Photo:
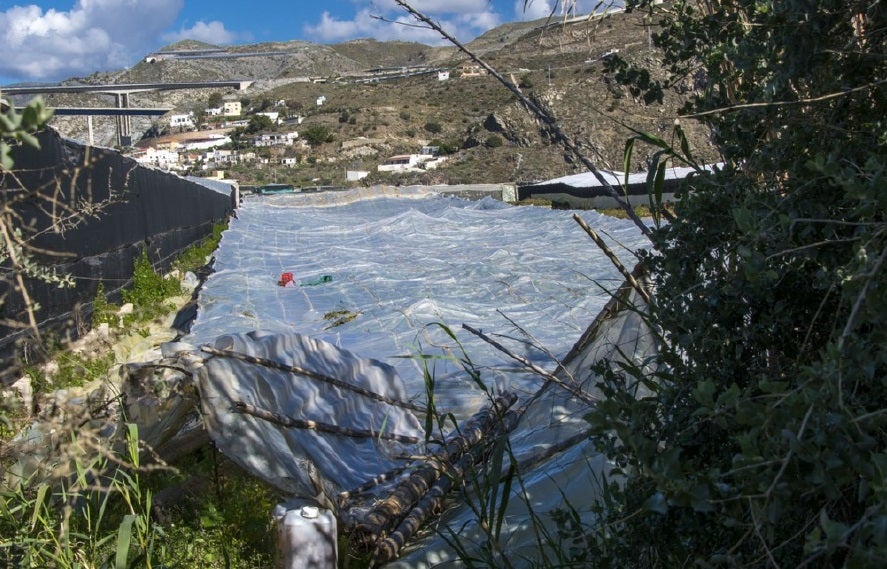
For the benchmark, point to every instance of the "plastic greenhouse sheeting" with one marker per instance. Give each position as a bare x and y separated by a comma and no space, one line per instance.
394,274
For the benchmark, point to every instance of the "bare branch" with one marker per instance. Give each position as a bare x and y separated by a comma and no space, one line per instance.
774,104
547,120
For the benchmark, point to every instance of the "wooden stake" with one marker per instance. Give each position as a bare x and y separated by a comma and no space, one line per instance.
613,258
293,423
385,514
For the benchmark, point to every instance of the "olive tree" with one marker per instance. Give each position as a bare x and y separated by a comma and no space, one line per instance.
17,255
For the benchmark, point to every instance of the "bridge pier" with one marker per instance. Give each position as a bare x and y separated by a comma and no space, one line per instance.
124,122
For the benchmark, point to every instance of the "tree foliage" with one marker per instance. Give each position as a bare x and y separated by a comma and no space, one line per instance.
762,440
19,128
17,255
315,135
215,100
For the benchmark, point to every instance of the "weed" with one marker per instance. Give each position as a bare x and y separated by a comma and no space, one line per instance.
96,517
195,257
103,312
149,291
77,370
222,521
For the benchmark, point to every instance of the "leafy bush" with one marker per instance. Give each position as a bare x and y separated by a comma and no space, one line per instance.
433,127
195,257
317,134
494,141
762,440
103,312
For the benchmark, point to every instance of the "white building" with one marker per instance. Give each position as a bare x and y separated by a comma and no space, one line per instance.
399,163
472,70
443,75
246,157
355,175
218,156
321,100
231,108
273,116
166,159
426,160
211,141
181,121
275,139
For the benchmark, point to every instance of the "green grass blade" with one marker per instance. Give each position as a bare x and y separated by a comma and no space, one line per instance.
124,540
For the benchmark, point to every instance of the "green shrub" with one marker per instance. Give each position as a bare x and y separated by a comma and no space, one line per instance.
761,439
494,141
150,291
226,524
317,134
102,310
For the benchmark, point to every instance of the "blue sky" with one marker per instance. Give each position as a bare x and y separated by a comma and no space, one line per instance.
51,40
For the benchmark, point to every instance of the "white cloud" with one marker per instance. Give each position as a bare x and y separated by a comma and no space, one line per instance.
535,9
465,19
209,32
93,35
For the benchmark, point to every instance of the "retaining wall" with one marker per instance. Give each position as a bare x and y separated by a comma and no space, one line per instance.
91,212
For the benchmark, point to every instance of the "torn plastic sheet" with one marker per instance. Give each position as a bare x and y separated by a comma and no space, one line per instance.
238,370
410,268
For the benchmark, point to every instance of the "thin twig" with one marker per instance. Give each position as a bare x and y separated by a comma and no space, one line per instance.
811,101
757,528
851,321
573,390
264,362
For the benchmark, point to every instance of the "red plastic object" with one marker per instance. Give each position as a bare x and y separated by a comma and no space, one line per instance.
285,278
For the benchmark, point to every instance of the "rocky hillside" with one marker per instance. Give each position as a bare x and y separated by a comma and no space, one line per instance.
558,64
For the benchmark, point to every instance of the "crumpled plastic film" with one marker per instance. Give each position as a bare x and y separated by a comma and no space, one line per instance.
407,268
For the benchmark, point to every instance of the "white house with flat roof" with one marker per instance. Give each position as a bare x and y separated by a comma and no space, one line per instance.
181,121
411,162
165,159
275,139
